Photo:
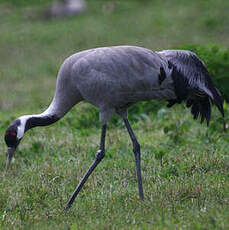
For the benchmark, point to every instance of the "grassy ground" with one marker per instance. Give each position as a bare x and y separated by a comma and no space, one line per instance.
185,165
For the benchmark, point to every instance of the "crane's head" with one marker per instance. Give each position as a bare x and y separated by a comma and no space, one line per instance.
13,136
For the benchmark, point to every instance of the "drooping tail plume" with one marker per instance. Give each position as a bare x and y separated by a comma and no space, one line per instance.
193,84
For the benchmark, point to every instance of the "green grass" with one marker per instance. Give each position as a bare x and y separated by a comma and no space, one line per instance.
185,165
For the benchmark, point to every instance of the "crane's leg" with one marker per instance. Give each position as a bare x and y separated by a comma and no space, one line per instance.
98,157
137,154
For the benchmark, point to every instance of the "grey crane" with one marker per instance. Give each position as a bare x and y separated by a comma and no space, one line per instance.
114,78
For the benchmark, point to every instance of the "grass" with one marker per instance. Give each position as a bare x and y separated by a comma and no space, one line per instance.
185,164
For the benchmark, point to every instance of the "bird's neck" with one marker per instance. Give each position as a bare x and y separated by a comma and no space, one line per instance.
56,110
40,120
30,121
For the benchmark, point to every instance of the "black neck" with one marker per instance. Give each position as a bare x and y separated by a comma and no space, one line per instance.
40,121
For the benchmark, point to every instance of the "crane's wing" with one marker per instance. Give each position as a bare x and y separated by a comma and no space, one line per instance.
193,84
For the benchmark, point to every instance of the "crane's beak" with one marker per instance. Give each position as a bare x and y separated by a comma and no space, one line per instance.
11,151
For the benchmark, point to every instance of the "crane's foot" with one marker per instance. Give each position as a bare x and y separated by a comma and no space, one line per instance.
98,157
67,207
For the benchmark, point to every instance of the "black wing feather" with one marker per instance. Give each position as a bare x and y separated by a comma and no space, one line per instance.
193,84
195,110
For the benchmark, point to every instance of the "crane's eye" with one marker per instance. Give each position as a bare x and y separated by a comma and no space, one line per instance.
11,133
11,138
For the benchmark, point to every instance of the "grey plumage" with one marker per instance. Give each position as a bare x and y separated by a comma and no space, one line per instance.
114,78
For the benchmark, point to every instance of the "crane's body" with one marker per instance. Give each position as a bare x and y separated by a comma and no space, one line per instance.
114,78
111,78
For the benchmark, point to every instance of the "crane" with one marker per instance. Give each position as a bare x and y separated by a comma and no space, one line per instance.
113,79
